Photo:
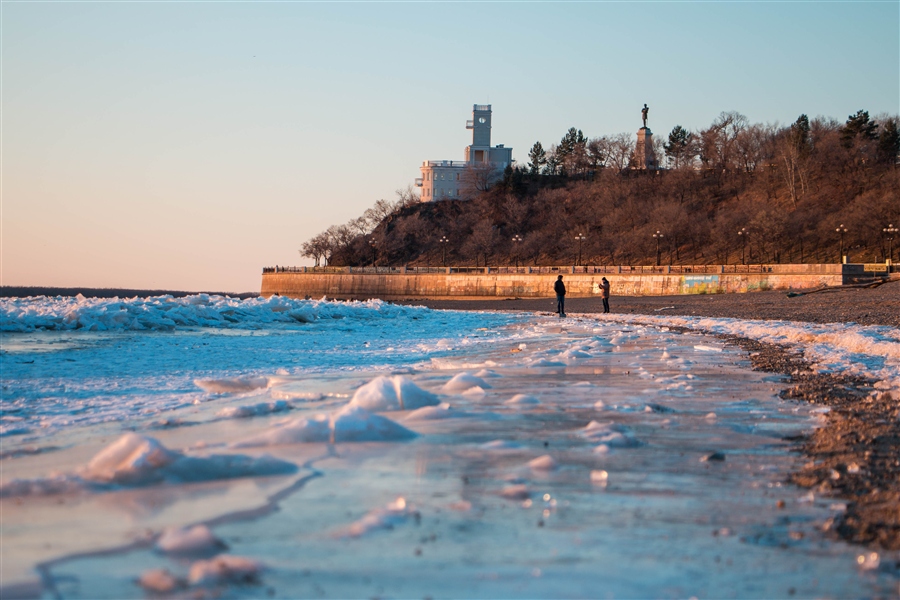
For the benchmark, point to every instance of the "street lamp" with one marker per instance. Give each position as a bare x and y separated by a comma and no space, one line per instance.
372,243
841,231
890,231
744,235
443,242
517,239
658,236
580,237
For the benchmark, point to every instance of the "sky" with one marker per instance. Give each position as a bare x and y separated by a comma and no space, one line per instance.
186,145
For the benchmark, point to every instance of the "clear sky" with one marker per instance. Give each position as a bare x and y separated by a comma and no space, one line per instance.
185,145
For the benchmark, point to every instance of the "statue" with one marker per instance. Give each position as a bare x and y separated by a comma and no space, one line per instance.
644,112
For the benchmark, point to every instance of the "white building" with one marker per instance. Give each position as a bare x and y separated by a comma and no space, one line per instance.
445,179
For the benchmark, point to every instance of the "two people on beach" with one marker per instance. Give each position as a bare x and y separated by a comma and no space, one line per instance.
560,288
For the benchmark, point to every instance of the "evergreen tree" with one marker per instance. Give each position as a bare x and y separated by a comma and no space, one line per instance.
678,146
574,137
800,139
537,158
889,142
858,126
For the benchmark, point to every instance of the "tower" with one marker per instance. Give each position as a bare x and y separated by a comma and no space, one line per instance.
480,124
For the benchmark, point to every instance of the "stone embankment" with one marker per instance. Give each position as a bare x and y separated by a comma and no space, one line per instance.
536,282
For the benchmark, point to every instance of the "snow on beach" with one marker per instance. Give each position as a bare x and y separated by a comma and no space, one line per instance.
293,449
869,351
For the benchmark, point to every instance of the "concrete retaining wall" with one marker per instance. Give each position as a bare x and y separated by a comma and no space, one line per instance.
396,286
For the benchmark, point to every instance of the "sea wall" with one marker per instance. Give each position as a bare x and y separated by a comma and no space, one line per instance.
508,282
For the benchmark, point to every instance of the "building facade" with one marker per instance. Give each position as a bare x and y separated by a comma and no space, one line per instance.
448,179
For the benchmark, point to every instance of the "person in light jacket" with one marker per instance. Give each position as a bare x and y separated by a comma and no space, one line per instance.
560,288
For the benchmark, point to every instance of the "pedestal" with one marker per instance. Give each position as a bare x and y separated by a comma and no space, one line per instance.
643,151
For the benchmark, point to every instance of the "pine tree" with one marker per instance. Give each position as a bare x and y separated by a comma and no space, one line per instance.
800,139
678,145
858,126
537,158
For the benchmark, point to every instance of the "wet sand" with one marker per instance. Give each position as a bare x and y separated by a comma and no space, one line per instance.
853,458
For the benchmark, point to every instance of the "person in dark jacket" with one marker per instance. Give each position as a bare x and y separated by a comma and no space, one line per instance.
604,289
560,288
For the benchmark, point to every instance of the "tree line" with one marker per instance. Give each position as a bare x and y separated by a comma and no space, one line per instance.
731,192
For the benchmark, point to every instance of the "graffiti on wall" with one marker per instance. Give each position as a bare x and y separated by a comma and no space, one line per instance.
700,284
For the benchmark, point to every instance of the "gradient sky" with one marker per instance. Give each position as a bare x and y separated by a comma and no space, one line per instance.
186,145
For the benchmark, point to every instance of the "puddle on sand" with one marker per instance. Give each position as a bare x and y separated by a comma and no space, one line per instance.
675,490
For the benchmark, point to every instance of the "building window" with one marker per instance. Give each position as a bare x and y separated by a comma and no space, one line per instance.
457,176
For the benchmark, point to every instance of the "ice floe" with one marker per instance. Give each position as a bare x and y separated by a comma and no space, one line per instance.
350,424
392,393
233,385
432,413
395,513
543,463
464,381
168,313
253,410
522,399
184,541
225,569
136,460
612,435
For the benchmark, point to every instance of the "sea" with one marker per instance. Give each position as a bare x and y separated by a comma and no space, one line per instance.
209,446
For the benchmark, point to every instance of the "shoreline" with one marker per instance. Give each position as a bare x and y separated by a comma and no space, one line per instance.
852,458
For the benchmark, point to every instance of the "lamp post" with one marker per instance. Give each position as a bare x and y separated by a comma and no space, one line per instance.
443,242
658,236
517,239
744,234
580,238
890,231
841,230
372,243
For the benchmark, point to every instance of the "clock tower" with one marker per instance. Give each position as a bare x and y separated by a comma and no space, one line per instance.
480,125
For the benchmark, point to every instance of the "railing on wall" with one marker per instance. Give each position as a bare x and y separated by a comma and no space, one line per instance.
782,269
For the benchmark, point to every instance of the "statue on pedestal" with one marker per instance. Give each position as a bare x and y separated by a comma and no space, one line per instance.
644,112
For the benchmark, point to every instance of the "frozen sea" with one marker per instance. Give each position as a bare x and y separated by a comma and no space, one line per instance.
215,447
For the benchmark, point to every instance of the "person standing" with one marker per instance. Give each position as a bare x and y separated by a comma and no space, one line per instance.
604,289
560,288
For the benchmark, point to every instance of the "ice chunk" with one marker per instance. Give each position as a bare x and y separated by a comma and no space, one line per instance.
355,424
543,463
518,491
137,460
431,413
253,410
543,362
474,391
296,431
132,458
613,435
522,399
392,393
350,424
225,569
462,382
189,541
160,581
500,445
705,348
395,513
234,385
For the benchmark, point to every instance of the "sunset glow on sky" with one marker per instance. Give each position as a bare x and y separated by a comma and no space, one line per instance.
187,145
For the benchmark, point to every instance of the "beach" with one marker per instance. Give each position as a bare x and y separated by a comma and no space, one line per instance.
863,430
206,446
